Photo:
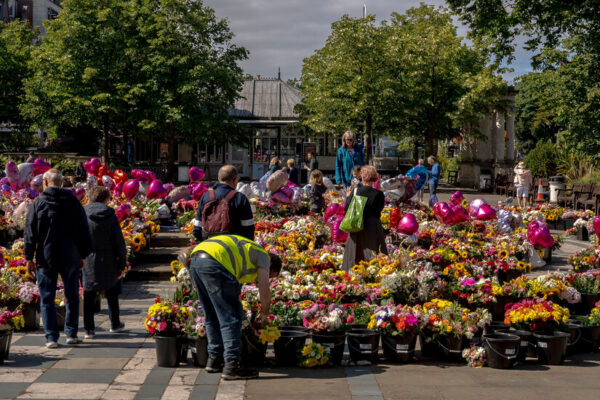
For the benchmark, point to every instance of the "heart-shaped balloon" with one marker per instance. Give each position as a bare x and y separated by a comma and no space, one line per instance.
123,211
443,212
12,173
457,198
486,213
6,190
119,176
280,197
168,187
597,226
539,235
198,190
196,174
79,193
88,166
26,174
333,209
40,166
118,190
474,206
36,182
460,214
157,190
94,166
408,225
103,170
91,181
131,188
108,182
140,175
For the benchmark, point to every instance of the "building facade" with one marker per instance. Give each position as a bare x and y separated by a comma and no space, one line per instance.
33,11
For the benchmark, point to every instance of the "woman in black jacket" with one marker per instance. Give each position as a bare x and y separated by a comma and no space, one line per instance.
366,244
106,263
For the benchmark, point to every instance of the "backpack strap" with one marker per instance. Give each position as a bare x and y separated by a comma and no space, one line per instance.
211,194
230,195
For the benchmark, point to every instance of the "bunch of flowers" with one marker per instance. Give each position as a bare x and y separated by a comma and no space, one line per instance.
546,285
10,320
594,317
473,291
536,314
516,288
321,318
29,293
444,317
165,317
586,259
584,282
269,334
313,355
286,314
476,356
193,320
396,319
576,214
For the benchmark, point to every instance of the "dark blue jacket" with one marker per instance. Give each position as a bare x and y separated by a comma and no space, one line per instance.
294,176
109,252
241,213
56,231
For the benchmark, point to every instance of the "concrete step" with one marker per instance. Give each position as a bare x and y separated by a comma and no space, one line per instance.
163,255
150,272
170,239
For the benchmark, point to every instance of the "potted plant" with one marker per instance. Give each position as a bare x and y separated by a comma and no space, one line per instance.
328,323
590,330
399,326
29,296
194,327
9,321
164,322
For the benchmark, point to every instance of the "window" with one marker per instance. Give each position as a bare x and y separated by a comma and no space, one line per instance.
52,13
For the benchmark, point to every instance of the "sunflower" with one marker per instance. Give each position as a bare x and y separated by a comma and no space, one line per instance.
503,254
521,265
359,270
22,271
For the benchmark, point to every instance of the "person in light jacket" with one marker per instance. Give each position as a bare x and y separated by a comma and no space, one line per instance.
105,265
349,155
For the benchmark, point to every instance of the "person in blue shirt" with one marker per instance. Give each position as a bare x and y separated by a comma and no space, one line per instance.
434,179
349,155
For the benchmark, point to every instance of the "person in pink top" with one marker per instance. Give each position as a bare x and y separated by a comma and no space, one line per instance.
523,181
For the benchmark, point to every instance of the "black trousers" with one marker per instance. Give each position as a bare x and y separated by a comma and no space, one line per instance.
89,299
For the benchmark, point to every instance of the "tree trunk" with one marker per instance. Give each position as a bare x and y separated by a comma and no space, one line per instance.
171,155
104,145
416,151
368,133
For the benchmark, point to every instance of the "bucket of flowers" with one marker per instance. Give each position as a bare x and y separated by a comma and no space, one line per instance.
29,296
194,327
164,322
588,285
9,321
547,321
399,326
328,323
590,330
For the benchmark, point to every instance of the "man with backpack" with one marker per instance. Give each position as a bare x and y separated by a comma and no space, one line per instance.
223,210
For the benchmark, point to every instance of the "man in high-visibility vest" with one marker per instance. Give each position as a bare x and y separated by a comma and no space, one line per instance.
218,267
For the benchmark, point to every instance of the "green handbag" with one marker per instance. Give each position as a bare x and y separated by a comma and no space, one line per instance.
353,220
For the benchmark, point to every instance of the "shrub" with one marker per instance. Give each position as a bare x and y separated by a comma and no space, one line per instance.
543,160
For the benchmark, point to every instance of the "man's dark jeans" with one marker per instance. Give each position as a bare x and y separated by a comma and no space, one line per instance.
219,293
89,300
433,183
47,285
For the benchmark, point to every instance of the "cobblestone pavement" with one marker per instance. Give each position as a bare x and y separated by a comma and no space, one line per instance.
123,366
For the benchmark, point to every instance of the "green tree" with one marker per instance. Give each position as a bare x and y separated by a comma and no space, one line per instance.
543,160
16,44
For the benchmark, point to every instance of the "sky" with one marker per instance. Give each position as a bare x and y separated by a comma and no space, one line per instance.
281,33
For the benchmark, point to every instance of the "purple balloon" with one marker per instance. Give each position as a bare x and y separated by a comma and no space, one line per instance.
408,224
474,206
168,187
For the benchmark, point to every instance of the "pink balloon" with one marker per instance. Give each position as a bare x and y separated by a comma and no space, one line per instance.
123,211
474,206
597,226
131,188
118,190
40,166
198,190
12,173
108,182
92,166
196,174
337,235
79,193
443,213
486,213
460,214
331,210
408,224
287,191
539,235
457,198
140,175
157,190
168,187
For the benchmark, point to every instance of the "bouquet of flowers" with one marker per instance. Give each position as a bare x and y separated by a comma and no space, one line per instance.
165,317
585,259
536,314
476,356
321,317
10,320
443,317
594,317
396,320
585,282
193,321
313,355
29,293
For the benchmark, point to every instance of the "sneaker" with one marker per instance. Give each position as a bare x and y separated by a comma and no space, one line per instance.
214,364
90,334
233,370
118,328
73,340
51,345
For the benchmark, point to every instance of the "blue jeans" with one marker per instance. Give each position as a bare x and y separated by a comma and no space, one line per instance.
47,284
219,293
433,192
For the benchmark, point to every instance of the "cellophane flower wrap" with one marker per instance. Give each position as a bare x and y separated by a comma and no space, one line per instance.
536,314
396,320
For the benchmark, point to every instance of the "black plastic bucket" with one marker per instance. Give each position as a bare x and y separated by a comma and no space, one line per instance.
293,328
168,350
5,339
590,338
253,351
399,348
574,337
334,342
288,346
363,344
31,316
428,345
526,347
496,326
502,349
588,300
551,347
451,347
198,346
498,306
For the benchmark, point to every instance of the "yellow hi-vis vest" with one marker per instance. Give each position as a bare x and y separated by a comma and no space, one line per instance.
234,253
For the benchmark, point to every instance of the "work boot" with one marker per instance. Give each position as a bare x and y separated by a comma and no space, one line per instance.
214,364
234,370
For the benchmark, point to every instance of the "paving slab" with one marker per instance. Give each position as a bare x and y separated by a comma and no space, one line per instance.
62,391
91,363
204,392
19,375
12,389
150,392
55,375
121,392
102,352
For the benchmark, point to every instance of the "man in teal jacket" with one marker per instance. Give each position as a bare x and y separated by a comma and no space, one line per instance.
349,155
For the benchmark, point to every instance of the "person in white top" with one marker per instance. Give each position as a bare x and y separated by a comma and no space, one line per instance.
523,181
